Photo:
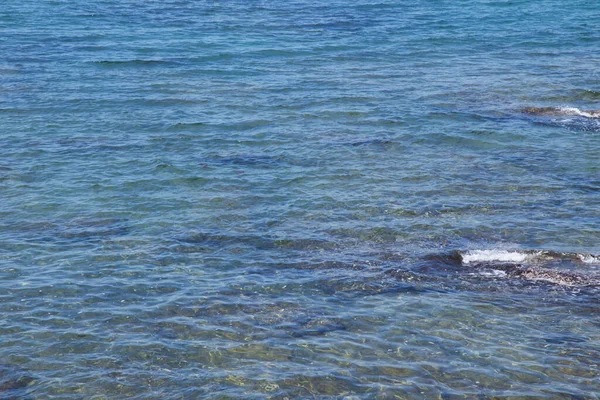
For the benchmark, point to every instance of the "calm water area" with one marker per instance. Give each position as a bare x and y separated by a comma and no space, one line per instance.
362,199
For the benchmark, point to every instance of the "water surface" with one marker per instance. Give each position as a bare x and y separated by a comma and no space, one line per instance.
260,199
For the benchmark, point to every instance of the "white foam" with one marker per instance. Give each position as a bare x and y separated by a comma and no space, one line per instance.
479,256
588,258
577,112
521,257
495,273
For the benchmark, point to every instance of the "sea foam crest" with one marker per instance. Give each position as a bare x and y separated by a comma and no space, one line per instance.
574,111
481,256
564,111
588,258
498,256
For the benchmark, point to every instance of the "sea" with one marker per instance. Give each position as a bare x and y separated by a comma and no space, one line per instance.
261,199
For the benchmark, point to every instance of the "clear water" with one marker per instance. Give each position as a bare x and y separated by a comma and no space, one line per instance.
262,199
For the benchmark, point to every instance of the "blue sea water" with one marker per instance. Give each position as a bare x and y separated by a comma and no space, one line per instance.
367,199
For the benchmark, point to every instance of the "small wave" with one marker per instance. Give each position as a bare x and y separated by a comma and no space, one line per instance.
574,111
532,266
503,256
236,126
562,112
588,259
495,256
131,63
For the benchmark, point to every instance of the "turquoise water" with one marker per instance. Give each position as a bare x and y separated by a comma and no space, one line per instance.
271,200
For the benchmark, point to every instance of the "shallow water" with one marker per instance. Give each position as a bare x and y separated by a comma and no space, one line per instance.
303,200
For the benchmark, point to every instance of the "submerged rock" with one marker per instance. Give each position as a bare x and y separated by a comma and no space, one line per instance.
548,275
14,382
